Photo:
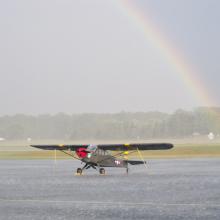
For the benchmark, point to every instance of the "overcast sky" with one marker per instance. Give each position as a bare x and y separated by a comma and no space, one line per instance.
78,56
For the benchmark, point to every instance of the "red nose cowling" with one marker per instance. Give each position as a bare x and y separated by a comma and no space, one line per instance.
81,152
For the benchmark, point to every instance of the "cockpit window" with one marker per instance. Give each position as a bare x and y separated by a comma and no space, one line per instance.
92,148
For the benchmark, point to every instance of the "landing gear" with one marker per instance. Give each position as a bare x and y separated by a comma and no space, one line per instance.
79,171
102,171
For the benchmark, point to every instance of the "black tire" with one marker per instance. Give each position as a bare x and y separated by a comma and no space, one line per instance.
102,171
79,171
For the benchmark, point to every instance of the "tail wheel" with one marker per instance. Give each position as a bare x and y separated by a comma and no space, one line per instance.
79,171
102,171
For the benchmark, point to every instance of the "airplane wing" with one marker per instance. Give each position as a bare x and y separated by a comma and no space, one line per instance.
111,147
60,147
129,147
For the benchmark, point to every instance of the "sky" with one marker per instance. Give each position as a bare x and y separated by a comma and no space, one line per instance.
90,56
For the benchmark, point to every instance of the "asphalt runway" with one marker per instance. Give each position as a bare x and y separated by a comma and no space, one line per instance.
168,189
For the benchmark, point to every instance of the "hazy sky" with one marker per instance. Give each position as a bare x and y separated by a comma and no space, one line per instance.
78,56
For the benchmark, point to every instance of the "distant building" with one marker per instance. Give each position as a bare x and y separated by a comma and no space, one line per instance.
211,136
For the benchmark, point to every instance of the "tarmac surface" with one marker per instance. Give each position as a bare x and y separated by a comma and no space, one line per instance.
168,189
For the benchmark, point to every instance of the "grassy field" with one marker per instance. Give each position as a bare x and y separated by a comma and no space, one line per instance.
182,149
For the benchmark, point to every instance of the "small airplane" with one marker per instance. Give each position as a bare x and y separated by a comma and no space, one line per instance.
98,156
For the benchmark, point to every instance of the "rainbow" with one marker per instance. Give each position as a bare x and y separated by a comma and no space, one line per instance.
183,69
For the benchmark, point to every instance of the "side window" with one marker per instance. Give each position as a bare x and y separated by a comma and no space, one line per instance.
98,151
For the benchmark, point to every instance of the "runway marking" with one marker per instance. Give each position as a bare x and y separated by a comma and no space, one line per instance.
112,203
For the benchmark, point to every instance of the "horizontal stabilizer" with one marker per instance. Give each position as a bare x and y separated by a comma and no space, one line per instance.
135,162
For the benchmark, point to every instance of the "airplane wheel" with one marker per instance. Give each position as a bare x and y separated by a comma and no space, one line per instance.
102,171
79,171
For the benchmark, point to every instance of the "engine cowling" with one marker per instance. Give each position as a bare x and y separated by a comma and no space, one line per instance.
81,152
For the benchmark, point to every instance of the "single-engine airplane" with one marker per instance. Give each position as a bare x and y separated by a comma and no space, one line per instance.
98,156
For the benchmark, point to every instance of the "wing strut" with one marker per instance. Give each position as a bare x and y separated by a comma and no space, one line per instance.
140,155
55,156
69,154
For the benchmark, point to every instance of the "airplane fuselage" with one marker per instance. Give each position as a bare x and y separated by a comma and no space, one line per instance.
104,160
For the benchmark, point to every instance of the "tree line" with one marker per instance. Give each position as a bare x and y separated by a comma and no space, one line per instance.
123,125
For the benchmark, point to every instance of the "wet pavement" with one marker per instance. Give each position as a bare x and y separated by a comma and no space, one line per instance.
168,189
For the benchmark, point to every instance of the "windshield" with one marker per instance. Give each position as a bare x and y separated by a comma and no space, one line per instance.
91,148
